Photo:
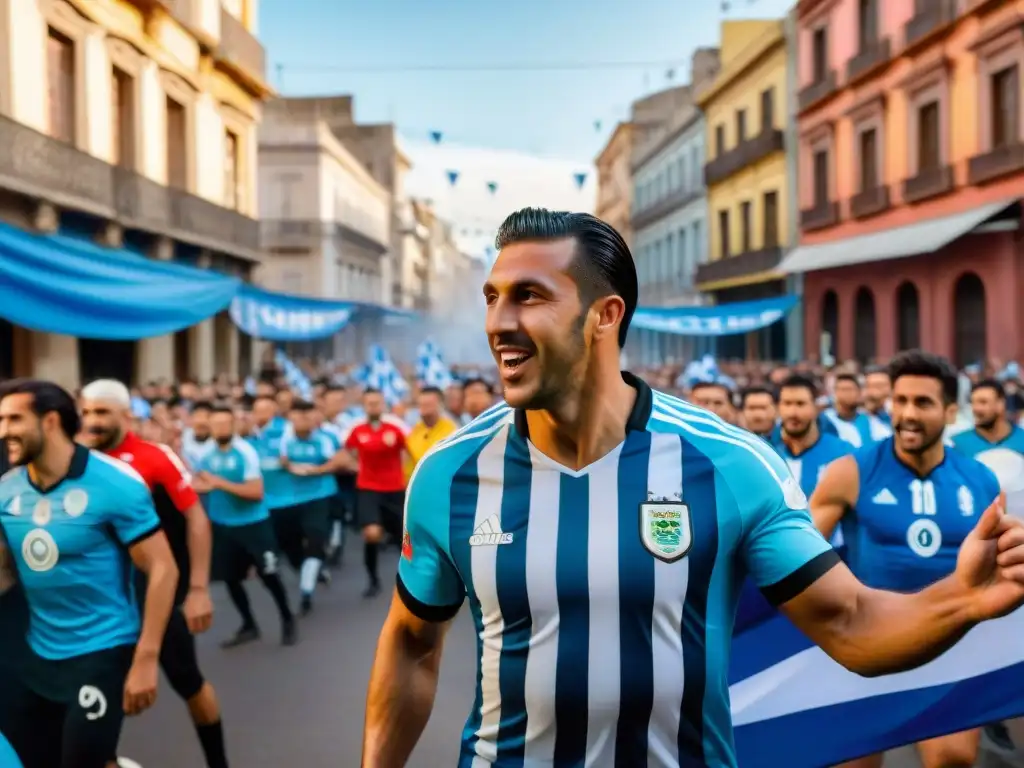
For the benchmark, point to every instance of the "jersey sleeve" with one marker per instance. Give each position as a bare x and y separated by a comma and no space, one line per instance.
328,447
348,440
250,462
286,441
783,551
175,479
428,582
132,514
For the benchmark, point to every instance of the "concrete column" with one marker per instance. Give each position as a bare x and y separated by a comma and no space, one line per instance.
154,357
230,355
202,341
795,320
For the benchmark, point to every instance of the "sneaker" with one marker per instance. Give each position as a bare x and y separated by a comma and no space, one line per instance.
372,591
289,633
241,637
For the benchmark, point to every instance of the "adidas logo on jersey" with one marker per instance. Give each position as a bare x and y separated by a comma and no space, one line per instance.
884,496
489,533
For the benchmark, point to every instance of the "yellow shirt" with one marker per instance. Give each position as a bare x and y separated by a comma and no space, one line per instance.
422,438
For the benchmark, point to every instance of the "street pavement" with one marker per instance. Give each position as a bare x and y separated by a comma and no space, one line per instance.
303,706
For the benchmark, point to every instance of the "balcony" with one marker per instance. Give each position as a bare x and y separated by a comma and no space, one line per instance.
928,184
996,164
743,154
676,199
240,50
308,234
815,92
823,214
870,202
933,16
38,166
873,55
740,265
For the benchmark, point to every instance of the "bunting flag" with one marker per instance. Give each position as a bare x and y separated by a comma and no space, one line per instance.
492,186
436,136
453,177
430,368
294,376
597,126
581,179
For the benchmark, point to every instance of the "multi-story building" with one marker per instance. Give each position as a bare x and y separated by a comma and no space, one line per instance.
134,124
326,222
912,170
669,212
615,182
746,117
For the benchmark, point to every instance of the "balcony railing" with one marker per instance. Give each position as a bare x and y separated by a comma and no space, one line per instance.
239,48
995,164
36,165
743,154
933,16
815,92
740,265
676,199
873,54
927,184
823,214
870,202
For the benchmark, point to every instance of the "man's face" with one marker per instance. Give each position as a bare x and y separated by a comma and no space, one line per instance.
200,423
263,411
478,399
919,413
334,403
877,390
284,400
21,428
453,398
429,405
222,427
373,405
759,413
988,408
302,421
797,410
265,389
847,394
714,399
188,391
102,425
243,422
538,330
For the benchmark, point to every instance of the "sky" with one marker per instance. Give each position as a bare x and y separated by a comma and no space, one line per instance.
525,92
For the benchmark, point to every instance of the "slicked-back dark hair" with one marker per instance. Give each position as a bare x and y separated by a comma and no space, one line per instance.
603,265
915,362
994,384
797,381
47,397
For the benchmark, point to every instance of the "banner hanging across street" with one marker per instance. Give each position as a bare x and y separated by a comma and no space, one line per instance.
721,320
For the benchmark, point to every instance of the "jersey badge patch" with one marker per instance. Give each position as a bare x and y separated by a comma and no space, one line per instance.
666,530
406,545
75,502
39,550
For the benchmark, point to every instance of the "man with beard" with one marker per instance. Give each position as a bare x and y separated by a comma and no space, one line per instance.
877,391
77,521
906,505
195,440
106,411
851,423
597,526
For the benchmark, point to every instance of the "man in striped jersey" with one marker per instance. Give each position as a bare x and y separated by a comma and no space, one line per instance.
602,531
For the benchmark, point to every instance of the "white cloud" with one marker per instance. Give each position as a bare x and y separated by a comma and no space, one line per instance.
522,180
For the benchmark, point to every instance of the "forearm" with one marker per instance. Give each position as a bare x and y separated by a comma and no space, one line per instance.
889,632
199,540
403,683
161,582
244,490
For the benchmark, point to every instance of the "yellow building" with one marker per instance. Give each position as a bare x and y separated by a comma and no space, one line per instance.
746,173
139,119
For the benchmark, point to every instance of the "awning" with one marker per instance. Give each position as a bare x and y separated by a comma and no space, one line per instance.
286,317
721,320
897,243
64,285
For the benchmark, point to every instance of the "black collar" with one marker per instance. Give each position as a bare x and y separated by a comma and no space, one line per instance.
638,417
79,461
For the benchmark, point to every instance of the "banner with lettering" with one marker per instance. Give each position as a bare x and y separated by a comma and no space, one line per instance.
284,317
720,320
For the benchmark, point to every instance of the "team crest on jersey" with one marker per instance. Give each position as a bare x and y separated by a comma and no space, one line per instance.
39,550
666,530
388,438
75,502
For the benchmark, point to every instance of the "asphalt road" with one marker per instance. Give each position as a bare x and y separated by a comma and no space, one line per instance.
303,706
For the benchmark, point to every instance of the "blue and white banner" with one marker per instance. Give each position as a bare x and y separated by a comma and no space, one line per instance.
722,320
294,376
382,374
282,317
794,706
430,368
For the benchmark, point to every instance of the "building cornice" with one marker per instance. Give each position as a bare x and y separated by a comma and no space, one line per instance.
772,39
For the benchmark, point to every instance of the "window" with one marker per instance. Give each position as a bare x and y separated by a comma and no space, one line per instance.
771,219
684,182
695,166
61,85
671,177
723,232
745,227
868,159
1005,107
767,110
231,196
684,258
719,140
821,178
819,54
177,160
867,23
122,119
929,153
670,259
741,125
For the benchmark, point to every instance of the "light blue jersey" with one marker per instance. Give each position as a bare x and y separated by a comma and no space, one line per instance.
276,480
863,429
810,465
904,531
1005,458
237,462
334,433
192,450
70,547
604,598
315,450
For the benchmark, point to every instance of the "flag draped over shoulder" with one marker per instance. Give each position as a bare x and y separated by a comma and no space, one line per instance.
793,706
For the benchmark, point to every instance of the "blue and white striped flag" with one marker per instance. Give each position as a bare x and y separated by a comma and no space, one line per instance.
293,376
382,374
430,368
794,706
